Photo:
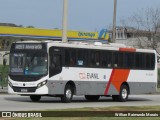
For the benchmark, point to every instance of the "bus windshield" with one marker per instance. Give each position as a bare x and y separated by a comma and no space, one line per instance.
29,63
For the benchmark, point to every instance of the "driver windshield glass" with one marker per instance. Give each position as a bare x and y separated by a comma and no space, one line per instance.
28,63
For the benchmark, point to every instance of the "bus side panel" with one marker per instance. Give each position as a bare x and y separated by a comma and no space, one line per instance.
56,87
142,87
142,81
93,88
97,81
98,88
112,90
82,87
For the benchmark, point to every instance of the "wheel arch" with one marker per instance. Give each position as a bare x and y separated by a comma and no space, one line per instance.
73,86
125,83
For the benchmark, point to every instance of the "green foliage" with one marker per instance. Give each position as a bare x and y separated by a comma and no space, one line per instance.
4,73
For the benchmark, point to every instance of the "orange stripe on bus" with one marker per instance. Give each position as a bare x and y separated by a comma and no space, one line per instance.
127,49
118,76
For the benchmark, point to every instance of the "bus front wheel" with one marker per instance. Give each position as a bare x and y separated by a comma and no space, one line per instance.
35,98
68,94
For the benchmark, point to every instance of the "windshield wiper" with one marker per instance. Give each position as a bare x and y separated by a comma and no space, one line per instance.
32,59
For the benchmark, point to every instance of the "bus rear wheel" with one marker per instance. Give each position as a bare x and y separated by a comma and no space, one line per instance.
123,96
68,94
124,91
92,97
35,98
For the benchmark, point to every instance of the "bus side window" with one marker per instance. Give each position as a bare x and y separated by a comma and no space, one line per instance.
115,59
129,60
55,65
56,61
72,62
106,59
139,61
70,57
150,61
109,59
95,58
81,55
120,60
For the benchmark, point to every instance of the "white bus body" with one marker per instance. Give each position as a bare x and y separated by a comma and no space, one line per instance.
66,69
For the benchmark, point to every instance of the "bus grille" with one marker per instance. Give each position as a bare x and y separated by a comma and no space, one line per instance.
24,89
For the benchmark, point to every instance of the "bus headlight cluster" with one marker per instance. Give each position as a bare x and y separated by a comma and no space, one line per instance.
41,84
10,84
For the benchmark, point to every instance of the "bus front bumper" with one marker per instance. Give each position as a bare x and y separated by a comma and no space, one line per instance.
28,90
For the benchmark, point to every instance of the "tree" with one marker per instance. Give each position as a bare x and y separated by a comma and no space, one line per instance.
147,28
30,26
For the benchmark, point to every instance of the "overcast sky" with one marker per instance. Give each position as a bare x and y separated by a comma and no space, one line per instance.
85,15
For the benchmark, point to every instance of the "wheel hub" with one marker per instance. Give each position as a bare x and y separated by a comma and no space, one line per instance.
124,93
68,93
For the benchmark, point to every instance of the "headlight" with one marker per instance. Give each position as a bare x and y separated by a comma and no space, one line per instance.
42,84
10,84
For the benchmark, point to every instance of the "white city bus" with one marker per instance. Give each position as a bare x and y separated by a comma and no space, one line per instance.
62,70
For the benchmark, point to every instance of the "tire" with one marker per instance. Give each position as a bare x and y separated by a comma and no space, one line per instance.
92,97
35,98
124,92
68,94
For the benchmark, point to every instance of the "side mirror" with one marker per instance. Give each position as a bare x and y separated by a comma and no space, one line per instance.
4,62
4,59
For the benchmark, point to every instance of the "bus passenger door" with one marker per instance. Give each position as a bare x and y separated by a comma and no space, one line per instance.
55,64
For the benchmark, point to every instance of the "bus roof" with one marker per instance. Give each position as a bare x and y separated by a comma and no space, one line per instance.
91,45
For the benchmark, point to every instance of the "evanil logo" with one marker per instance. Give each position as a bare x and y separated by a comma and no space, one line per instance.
86,34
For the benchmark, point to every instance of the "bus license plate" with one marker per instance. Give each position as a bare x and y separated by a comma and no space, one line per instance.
24,90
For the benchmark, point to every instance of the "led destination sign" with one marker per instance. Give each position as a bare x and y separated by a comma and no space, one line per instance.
28,46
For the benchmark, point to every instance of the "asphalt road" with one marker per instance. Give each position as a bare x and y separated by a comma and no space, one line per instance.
23,103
